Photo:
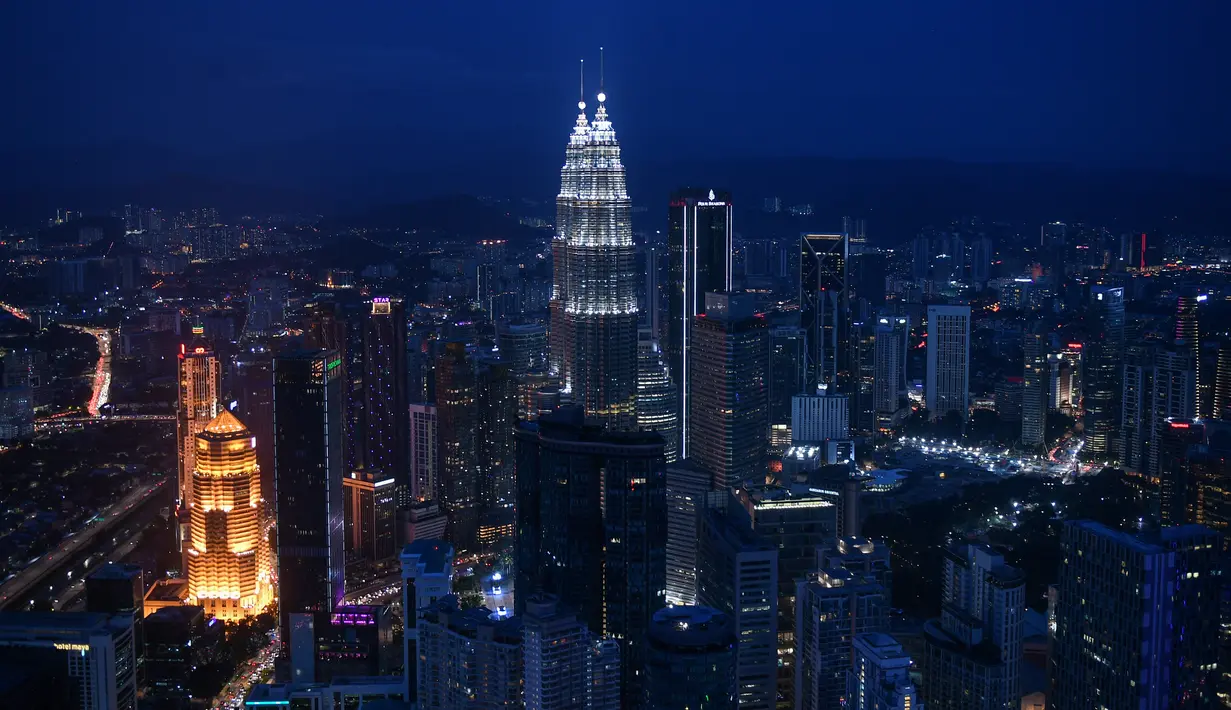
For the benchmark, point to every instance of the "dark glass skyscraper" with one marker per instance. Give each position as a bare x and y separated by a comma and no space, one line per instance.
1102,377
591,521
386,407
824,309
308,470
457,428
699,244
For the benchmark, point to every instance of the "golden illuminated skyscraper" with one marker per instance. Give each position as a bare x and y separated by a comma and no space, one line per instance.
227,574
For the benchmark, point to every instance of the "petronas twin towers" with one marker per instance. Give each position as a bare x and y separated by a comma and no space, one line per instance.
594,299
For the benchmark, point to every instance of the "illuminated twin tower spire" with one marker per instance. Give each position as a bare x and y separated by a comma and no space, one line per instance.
594,297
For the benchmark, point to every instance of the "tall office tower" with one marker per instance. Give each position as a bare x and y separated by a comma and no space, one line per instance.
591,516
889,376
920,257
253,388
787,356
424,452
223,571
386,407
737,574
371,504
880,676
981,252
200,380
1136,401
656,395
495,405
687,485
326,328
468,658
603,675
817,418
690,662
863,376
427,576
727,425
834,607
825,309
1177,489
308,457
116,588
796,523
867,282
1187,334
557,649
948,375
651,293
457,429
1034,389
699,247
595,316
75,661
1222,382
266,304
1173,396
1102,372
523,347
1130,631
974,650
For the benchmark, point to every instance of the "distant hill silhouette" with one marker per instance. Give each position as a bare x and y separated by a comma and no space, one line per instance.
453,216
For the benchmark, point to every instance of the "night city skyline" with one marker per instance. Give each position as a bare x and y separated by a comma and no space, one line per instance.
630,356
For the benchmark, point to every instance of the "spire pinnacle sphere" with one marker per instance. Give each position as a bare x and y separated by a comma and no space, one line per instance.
602,97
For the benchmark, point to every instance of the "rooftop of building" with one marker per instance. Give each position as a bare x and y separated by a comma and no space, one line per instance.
700,628
467,622
1128,540
436,556
57,621
882,646
117,571
185,614
167,590
226,424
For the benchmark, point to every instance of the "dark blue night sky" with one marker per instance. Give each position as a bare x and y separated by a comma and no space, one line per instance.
382,85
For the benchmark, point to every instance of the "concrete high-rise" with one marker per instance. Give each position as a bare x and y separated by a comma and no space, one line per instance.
1172,396
226,574
557,649
591,522
974,650
737,574
880,676
371,504
690,661
1136,623
469,658
594,305
427,576
308,470
75,661
385,380
785,379
948,362
889,378
825,309
727,427
1034,389
687,486
424,452
699,246
1101,376
834,607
